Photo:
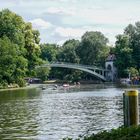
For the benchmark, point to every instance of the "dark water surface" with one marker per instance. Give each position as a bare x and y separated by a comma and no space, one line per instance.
54,114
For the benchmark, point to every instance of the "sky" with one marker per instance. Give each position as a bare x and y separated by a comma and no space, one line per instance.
60,20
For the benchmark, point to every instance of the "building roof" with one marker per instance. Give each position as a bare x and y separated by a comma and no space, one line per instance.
111,57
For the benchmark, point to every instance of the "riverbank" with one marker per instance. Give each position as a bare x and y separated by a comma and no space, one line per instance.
70,82
18,88
52,82
122,133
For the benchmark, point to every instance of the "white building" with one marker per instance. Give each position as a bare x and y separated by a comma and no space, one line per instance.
111,75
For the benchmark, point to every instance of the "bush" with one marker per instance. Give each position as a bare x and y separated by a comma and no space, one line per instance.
122,133
3,85
21,82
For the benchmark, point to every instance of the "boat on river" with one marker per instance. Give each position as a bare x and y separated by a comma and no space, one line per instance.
66,85
43,88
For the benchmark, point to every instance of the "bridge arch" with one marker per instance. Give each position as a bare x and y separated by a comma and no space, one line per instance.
95,71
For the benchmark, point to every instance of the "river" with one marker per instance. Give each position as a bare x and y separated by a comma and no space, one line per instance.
54,114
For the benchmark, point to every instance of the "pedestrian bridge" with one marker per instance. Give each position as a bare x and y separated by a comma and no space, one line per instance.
99,73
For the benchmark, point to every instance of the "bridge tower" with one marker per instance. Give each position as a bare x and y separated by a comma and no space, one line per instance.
111,75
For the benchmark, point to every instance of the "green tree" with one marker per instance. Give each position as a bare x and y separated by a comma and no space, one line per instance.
20,43
12,26
68,53
42,73
123,55
133,72
133,31
12,65
93,48
49,52
128,50
32,48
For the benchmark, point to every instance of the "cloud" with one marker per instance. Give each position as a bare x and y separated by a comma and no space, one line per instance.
76,33
69,32
60,11
59,20
40,23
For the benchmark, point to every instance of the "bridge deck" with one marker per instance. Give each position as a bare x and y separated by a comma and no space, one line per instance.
93,70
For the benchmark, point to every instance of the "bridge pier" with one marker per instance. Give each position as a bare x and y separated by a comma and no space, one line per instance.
104,73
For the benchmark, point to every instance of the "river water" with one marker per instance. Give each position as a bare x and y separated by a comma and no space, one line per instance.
54,114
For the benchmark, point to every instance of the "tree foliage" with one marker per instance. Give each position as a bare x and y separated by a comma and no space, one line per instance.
32,47
123,55
121,133
19,47
128,50
93,48
12,65
133,31
49,52
67,52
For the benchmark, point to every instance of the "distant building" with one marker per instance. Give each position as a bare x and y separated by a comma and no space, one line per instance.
111,75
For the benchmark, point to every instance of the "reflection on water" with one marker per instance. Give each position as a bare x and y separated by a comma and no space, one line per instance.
54,114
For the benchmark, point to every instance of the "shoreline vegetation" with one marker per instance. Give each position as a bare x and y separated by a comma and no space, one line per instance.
121,133
19,88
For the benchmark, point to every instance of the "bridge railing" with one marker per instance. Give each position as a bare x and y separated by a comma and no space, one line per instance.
98,72
79,65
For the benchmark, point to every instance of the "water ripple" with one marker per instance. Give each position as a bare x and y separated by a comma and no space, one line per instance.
34,114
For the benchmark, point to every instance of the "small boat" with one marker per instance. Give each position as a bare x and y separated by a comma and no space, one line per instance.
66,85
56,86
43,88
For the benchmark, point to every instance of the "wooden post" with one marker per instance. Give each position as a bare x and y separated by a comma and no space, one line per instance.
131,109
